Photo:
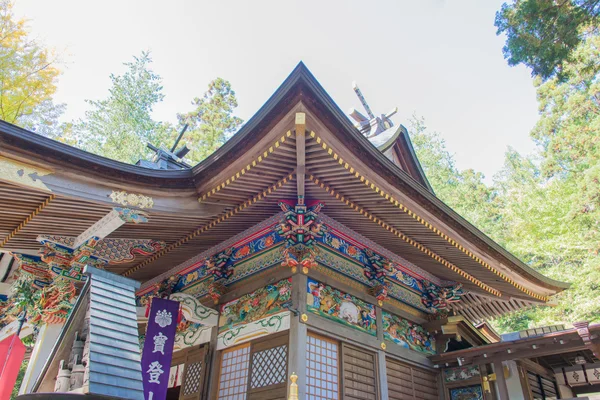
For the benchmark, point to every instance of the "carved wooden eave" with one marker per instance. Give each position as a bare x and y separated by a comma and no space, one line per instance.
458,328
582,337
384,197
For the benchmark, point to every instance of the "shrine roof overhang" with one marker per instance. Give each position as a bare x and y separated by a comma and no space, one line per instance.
240,184
582,337
396,142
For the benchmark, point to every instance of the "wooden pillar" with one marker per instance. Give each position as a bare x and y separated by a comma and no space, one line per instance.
501,381
212,375
298,333
47,337
381,367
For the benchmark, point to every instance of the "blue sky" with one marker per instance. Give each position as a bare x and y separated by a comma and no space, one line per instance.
439,59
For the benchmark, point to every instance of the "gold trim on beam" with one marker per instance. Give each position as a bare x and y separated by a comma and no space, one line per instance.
247,168
402,236
26,221
211,224
418,218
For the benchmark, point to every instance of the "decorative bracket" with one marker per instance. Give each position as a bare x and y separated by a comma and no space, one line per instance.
376,270
300,229
440,298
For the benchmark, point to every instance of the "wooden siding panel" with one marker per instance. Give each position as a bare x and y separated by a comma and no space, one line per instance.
407,382
360,373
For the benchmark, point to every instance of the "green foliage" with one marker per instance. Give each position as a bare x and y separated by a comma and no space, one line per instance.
464,191
27,74
119,126
542,34
545,208
211,122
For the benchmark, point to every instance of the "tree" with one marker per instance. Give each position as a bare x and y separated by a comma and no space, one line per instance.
28,73
464,191
533,214
542,34
119,126
211,122
568,133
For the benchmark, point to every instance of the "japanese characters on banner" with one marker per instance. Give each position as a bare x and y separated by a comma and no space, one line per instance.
158,348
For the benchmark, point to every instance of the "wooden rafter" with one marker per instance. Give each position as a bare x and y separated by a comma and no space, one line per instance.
224,216
402,236
252,164
27,220
388,197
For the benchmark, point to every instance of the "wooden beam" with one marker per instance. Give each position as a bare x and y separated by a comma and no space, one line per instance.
519,352
300,154
501,381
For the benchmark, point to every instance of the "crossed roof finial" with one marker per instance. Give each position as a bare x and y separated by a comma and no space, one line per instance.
371,126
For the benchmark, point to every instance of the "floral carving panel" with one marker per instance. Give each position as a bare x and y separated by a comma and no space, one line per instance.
467,393
407,334
270,300
341,307
461,373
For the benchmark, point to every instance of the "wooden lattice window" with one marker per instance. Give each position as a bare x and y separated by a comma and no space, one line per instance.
269,367
192,385
256,370
542,388
322,368
233,378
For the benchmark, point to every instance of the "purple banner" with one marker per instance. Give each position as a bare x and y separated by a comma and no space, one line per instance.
158,347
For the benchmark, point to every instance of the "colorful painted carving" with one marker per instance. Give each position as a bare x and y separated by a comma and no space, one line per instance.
111,251
49,305
53,303
407,334
69,263
341,307
300,229
219,266
129,215
374,264
267,301
461,373
34,268
467,393
216,290
380,292
439,298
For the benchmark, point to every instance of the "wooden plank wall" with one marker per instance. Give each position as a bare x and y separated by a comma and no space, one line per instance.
360,379
406,382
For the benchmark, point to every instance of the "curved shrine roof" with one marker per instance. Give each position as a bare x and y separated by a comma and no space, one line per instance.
376,188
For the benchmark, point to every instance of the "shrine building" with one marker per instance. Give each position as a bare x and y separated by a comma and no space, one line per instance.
309,257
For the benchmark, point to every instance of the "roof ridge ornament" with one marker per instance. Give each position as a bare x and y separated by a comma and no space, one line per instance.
371,126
